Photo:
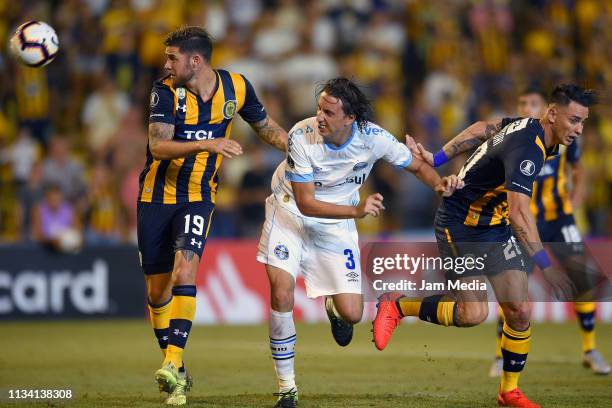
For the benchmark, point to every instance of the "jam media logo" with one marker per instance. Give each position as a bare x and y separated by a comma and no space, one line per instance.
527,167
281,252
360,165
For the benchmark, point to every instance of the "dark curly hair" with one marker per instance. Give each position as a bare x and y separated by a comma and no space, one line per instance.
354,101
191,39
565,93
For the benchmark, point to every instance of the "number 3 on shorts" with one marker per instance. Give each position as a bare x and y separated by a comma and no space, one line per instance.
350,260
198,224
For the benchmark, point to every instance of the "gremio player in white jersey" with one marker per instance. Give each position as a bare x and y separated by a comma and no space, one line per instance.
310,215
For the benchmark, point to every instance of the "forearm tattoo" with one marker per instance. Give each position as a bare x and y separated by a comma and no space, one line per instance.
159,132
271,133
491,130
471,140
523,237
455,148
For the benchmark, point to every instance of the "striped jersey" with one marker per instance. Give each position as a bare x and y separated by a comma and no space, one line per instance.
550,199
509,161
194,178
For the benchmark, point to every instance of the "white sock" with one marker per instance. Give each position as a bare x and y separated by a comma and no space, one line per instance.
282,345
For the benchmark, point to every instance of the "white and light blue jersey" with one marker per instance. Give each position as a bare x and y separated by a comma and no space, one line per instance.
337,171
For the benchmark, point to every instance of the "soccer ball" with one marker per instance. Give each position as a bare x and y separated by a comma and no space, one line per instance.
34,43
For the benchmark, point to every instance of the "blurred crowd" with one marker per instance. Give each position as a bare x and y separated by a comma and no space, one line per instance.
73,135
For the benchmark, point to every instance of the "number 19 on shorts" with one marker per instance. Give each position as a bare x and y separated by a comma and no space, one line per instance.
198,224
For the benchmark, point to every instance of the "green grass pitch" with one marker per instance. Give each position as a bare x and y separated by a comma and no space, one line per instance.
111,364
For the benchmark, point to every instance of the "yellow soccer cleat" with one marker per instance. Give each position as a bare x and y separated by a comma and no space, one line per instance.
167,377
179,395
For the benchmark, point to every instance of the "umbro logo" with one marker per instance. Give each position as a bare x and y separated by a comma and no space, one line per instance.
352,276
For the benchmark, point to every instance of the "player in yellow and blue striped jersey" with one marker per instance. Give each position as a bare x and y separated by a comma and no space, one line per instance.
483,219
190,122
552,204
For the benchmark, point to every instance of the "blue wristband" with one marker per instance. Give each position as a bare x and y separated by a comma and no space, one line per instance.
541,259
440,158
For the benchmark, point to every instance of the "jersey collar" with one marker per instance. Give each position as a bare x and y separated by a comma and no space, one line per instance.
343,145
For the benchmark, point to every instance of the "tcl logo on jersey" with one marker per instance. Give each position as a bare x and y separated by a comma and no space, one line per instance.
33,292
199,134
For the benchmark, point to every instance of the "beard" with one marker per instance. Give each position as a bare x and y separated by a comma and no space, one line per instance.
179,81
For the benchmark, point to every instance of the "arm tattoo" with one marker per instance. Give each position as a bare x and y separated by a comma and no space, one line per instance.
187,254
522,237
271,133
458,147
473,139
160,131
491,130
521,234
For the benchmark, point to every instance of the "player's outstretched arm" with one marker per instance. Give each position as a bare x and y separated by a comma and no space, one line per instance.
270,132
526,231
468,139
308,205
162,146
445,186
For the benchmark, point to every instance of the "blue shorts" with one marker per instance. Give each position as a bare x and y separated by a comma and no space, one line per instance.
561,236
164,229
496,246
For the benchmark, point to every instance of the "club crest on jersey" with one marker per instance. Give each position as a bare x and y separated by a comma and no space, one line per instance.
281,252
360,165
527,167
229,109
180,92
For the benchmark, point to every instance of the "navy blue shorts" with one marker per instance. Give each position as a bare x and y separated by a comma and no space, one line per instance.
562,235
164,229
496,247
